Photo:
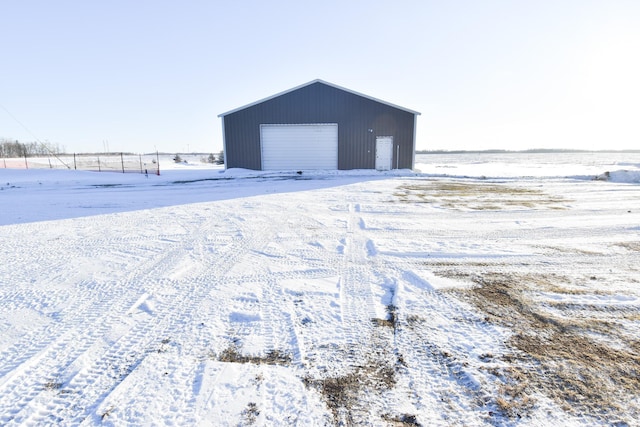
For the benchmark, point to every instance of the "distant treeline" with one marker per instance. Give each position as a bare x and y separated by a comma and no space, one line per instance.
10,148
532,151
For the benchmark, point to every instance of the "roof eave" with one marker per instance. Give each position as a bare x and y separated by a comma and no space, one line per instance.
313,82
268,98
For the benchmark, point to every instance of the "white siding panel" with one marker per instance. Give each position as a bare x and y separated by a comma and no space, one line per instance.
299,147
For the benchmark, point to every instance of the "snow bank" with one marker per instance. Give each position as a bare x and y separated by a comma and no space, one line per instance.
620,176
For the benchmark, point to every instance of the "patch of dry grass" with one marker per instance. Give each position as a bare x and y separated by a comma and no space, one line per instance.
375,374
556,356
52,385
404,420
343,393
476,195
233,355
569,250
55,386
250,414
391,321
630,246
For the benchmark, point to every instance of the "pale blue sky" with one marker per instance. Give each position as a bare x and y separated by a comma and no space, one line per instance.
141,75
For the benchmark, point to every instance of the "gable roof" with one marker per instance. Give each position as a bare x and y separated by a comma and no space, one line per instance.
324,83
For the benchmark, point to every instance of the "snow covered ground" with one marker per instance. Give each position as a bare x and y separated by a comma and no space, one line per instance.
482,291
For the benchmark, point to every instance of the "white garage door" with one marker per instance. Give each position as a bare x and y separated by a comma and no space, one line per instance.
299,147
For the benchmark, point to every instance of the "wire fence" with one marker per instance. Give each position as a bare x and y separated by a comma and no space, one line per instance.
123,163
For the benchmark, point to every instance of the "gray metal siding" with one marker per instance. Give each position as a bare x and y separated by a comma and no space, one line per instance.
320,103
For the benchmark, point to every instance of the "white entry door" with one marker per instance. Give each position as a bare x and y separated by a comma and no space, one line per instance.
384,152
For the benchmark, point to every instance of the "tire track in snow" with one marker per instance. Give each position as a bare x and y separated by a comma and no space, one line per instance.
432,337
443,345
181,310
106,371
280,331
73,340
36,362
89,299
356,297
169,318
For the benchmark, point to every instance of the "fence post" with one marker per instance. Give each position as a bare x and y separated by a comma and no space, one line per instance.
99,164
122,161
158,162
26,165
75,167
140,157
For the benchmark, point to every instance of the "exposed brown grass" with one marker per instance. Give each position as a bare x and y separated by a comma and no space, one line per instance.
55,386
568,250
476,195
391,321
404,420
342,393
556,356
250,414
233,355
52,385
630,246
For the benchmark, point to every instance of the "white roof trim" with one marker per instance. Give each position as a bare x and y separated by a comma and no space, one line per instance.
325,83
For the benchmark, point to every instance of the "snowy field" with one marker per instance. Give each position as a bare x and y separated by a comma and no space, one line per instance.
486,290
